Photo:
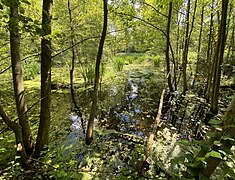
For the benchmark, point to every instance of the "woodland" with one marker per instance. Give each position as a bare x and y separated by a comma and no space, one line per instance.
117,89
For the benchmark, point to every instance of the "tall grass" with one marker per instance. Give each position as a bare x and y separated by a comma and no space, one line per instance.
118,63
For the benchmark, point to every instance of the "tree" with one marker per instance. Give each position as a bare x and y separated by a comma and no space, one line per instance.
199,46
89,135
167,48
208,56
185,51
24,142
218,58
73,66
43,131
18,77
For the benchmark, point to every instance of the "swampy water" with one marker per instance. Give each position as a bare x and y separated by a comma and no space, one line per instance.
127,106
126,110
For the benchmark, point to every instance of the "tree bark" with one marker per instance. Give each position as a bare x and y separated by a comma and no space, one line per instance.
208,57
43,131
167,48
199,46
89,134
185,51
17,74
218,58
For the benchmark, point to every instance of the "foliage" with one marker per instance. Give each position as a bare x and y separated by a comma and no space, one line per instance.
118,63
130,59
102,69
156,61
31,69
88,73
137,28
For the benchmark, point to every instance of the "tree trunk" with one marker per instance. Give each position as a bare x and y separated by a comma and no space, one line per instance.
72,68
16,128
43,131
218,59
167,48
18,78
199,46
185,51
208,57
231,44
89,135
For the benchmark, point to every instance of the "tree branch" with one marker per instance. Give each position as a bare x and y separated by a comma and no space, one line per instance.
155,9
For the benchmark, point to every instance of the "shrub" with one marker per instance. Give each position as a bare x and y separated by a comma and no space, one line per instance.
156,61
140,59
118,64
130,59
31,69
88,73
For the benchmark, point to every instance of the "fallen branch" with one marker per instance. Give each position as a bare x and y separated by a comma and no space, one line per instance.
156,124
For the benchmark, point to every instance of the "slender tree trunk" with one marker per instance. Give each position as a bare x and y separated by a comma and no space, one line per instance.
193,18
219,58
18,78
199,46
208,57
72,68
178,42
229,19
167,48
43,131
185,51
73,55
231,45
89,135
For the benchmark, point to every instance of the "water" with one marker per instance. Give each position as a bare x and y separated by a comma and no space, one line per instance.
125,109
130,114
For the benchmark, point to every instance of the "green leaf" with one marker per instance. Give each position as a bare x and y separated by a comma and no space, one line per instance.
56,166
217,143
2,150
228,138
202,159
223,152
215,121
214,154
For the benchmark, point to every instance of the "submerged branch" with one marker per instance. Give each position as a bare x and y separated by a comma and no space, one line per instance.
152,135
